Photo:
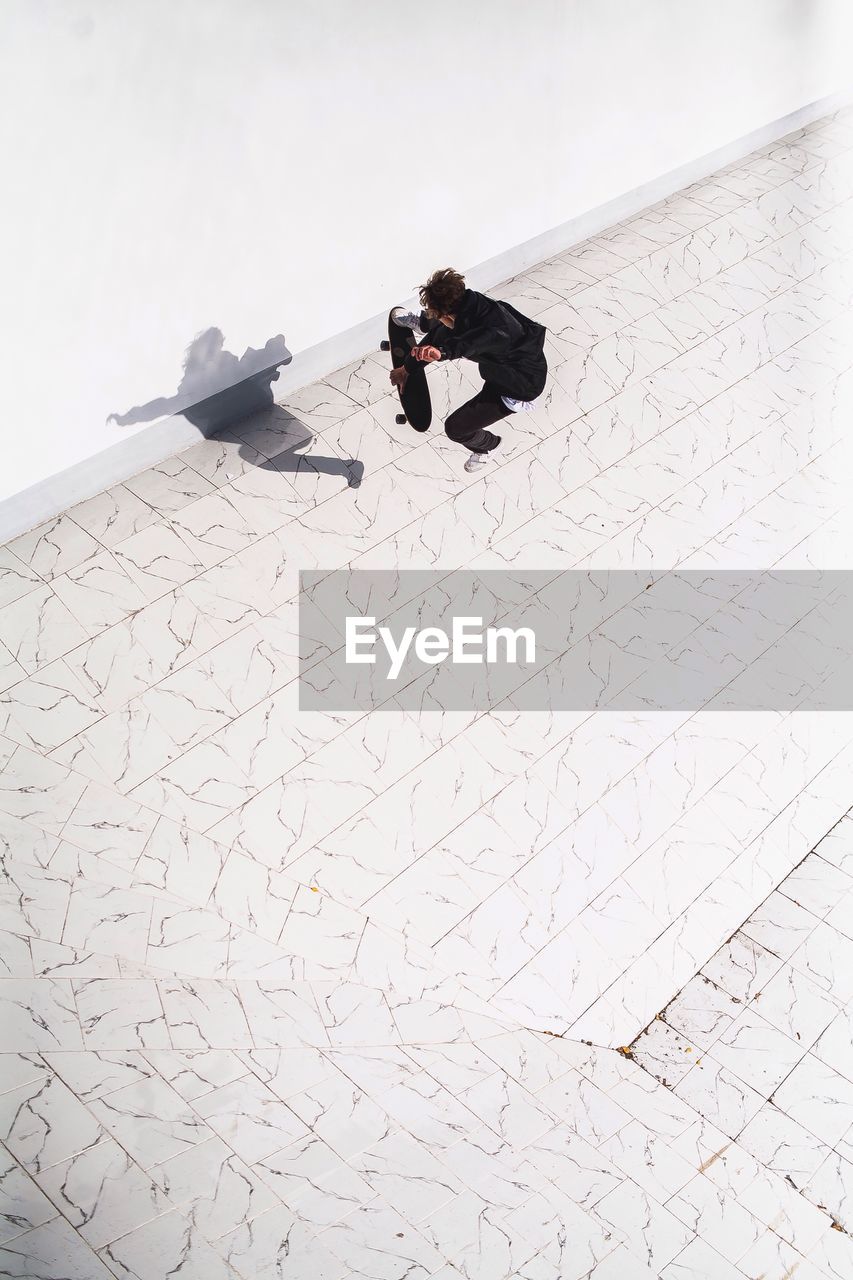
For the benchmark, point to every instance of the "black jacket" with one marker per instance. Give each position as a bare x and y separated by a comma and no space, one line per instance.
507,346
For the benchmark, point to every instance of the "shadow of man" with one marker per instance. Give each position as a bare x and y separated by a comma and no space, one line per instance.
216,389
277,441
294,463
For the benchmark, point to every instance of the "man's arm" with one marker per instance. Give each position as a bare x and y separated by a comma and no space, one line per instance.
486,340
433,341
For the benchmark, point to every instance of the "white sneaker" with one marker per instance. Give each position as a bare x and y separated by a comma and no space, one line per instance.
476,461
406,319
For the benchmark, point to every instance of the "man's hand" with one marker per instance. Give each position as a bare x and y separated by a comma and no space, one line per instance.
426,355
398,377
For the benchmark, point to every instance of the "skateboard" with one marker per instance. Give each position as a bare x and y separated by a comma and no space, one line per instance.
414,398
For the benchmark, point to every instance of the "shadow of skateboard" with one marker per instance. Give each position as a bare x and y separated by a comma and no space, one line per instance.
414,398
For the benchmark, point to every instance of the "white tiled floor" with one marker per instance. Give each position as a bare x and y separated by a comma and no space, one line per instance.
299,995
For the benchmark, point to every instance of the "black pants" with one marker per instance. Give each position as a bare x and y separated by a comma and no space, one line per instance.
467,424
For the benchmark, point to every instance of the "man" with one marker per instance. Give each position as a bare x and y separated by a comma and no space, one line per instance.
507,347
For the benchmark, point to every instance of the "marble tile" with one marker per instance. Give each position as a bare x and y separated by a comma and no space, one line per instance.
196,788
267,497
783,1146
289,1071
204,1013
741,967
16,960
794,1004
404,1251
48,708
22,1205
720,1096
216,1190
837,846
169,486
188,940
780,925
280,1016
93,1075
120,1014
277,1239
621,1265
43,1123
39,1014
34,901
717,1218
756,1051
103,1193
100,593
651,1233
527,1058
315,1182
310,802
794,1219
772,1256
591,1113
664,1052
180,862
352,1015
818,1098
826,957
11,671
113,667
509,1110
161,1246
816,885
109,920
215,527
257,661
250,1118
197,1072
836,1043
189,706
409,1176
223,457
54,1251
113,515
54,547
830,1187
150,1121
52,960
16,579
122,749
17,1069
37,628
699,1258
158,559
648,1161
174,629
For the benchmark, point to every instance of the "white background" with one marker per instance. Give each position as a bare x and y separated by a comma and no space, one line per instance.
175,164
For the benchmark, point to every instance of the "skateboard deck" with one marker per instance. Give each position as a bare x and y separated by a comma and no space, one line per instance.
414,398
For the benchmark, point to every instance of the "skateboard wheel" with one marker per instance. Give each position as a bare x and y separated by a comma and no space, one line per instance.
400,419
385,345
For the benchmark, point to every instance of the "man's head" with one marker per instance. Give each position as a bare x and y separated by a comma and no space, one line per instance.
442,293
204,349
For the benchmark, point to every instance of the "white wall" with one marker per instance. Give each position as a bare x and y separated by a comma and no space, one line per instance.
175,164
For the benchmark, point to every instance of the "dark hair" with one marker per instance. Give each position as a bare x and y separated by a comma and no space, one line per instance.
443,292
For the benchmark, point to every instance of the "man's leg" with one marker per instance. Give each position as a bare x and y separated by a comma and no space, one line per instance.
468,424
